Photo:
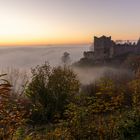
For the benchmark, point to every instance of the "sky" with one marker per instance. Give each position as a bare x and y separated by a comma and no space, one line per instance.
35,22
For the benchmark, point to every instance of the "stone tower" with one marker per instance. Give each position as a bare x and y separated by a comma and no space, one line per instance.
138,43
102,47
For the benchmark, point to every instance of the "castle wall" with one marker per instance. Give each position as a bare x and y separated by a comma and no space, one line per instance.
89,55
105,48
124,49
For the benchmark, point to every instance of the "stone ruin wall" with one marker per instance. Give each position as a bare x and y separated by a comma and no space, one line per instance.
105,48
124,49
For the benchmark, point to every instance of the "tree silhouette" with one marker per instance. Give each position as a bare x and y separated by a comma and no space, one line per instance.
66,58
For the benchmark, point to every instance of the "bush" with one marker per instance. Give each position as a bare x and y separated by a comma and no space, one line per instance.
12,111
133,63
107,111
50,90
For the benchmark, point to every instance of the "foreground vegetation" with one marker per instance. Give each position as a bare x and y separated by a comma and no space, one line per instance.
55,106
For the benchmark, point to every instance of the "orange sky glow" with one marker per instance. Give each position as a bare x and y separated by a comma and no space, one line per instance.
42,22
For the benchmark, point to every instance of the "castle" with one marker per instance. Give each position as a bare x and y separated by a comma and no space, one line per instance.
105,48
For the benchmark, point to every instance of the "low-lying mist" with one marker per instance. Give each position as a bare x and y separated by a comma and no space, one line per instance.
27,57
89,75
23,59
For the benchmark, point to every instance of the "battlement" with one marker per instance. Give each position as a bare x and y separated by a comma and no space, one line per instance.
105,48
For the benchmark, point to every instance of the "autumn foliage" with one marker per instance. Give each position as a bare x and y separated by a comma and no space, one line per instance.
12,111
56,106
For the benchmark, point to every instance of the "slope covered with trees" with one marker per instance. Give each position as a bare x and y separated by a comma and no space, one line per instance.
55,105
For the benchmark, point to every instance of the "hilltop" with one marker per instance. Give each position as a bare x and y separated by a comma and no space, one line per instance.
106,52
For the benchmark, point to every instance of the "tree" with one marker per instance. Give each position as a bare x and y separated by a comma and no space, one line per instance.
50,90
66,58
63,85
133,63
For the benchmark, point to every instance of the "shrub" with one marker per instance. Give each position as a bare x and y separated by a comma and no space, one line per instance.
133,63
12,111
50,90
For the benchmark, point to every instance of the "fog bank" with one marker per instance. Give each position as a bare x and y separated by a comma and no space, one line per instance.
89,75
27,57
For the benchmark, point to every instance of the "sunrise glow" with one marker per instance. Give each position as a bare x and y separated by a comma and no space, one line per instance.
64,21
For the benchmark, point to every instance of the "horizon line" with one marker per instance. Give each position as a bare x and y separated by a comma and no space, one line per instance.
55,44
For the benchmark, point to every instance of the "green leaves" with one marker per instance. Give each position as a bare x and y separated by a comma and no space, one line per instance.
50,90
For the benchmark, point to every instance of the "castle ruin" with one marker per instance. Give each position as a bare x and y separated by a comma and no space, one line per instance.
105,48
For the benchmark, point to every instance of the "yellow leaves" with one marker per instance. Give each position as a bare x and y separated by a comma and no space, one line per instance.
135,89
58,134
106,86
11,112
99,93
